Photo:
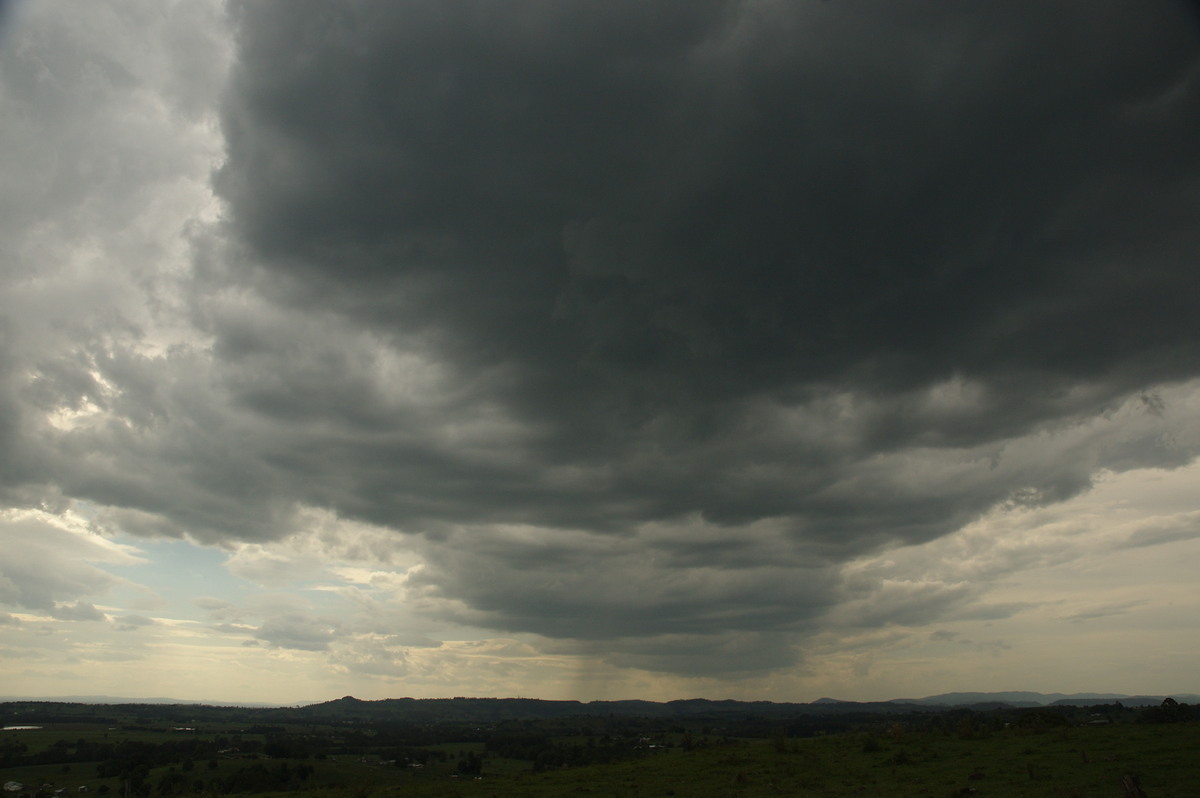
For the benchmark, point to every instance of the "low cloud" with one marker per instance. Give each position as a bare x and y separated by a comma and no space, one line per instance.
47,563
131,623
372,656
1181,527
1103,611
79,611
297,631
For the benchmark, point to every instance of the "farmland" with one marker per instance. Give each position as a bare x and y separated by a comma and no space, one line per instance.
486,748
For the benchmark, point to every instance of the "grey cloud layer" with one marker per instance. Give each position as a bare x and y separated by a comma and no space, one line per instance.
644,227
718,198
644,318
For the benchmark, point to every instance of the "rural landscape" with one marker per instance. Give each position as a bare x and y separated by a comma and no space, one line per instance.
1071,747
391,391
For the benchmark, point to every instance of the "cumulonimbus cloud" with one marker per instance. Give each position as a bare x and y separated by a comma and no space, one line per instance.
639,322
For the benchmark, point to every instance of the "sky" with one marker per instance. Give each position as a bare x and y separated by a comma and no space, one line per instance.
599,350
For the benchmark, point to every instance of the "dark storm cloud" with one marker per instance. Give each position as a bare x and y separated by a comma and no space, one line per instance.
683,205
676,208
595,589
643,319
820,263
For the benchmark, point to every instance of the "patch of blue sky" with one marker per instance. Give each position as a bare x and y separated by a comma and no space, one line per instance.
178,572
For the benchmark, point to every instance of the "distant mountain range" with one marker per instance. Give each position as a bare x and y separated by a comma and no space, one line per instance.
532,707
1017,697
1027,699
108,699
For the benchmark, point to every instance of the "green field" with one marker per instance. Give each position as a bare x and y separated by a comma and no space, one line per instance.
1061,761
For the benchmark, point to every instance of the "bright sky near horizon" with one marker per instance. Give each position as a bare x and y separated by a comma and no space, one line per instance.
695,348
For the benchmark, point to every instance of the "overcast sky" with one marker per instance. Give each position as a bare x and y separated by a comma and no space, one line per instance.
612,349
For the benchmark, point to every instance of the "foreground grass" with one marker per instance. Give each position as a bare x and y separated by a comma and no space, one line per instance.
1063,762
1079,762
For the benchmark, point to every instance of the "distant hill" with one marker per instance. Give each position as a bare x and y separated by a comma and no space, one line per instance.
432,710
1029,699
108,699
496,709
1133,700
